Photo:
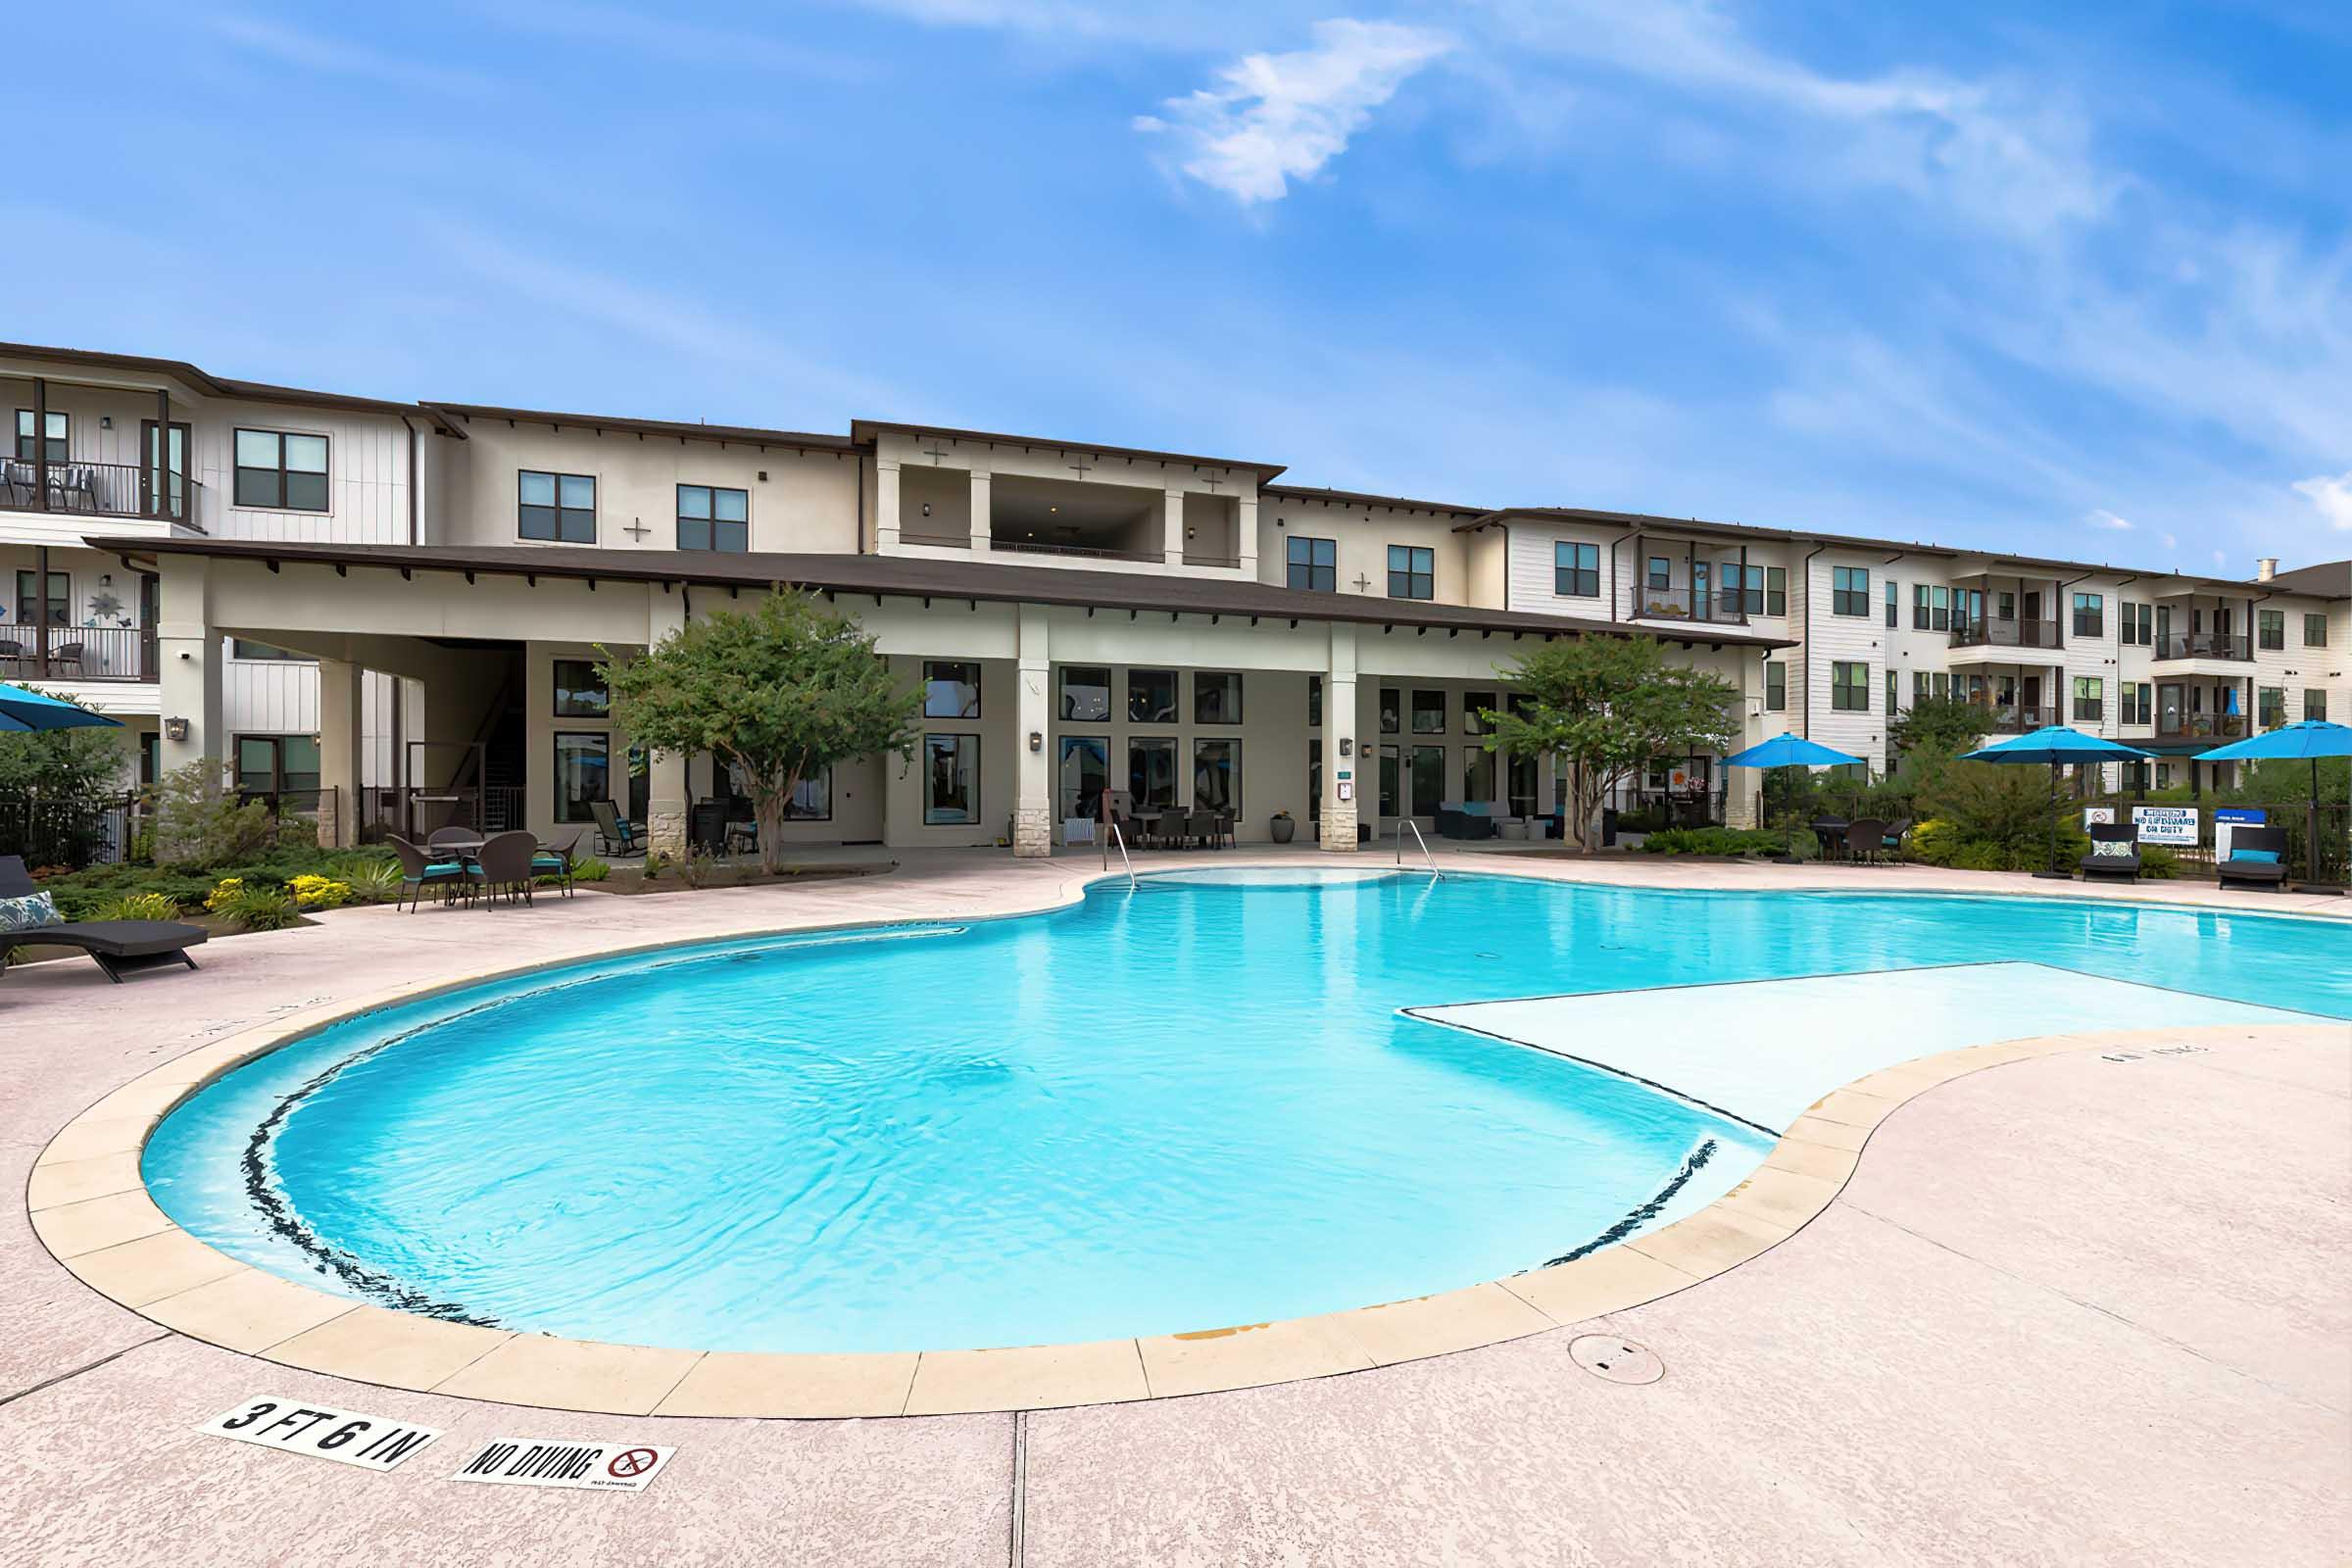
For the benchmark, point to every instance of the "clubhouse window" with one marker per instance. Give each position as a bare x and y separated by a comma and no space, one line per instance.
584,762
711,517
580,690
281,471
1313,563
1412,572
1216,776
560,507
1151,773
1576,570
1152,696
1474,706
952,689
950,779
1428,713
1085,693
1217,697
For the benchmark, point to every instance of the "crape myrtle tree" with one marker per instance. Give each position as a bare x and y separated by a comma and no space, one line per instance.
782,692
1605,707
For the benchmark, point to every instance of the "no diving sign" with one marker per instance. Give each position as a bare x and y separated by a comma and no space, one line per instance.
371,1442
584,1466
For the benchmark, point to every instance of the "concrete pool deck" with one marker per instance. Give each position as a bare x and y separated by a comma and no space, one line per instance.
2084,1306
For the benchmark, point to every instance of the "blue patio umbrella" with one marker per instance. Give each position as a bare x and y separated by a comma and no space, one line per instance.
2056,745
23,709
2308,740
1789,751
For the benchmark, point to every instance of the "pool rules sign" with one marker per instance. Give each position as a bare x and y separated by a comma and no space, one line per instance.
581,1466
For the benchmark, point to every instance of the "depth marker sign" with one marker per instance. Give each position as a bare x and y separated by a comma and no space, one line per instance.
578,1466
372,1443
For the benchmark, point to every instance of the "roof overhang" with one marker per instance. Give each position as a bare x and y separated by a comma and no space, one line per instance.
865,430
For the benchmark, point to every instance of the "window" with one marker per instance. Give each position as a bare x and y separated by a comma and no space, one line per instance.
2135,624
2270,629
2004,604
1314,702
1151,773
1894,613
1940,609
560,507
1849,591
1217,697
1919,606
28,598
1967,607
278,765
1918,687
1776,688
1392,710
1475,704
1940,685
2315,630
1428,713
2090,696
245,648
1152,696
2270,706
1086,694
1412,572
1314,782
1428,775
1894,696
2090,615
281,471
57,444
1085,774
1576,570
1315,563
1216,776
950,779
1749,580
1661,574
2138,700
2315,702
584,762
580,690
714,519
1525,784
1389,782
1850,684
1478,773
952,689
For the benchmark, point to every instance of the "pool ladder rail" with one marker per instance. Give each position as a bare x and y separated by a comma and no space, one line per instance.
1404,822
1115,836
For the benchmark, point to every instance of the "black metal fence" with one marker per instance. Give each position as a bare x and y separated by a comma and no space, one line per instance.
74,833
2332,819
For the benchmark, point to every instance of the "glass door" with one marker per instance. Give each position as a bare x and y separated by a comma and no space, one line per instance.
176,470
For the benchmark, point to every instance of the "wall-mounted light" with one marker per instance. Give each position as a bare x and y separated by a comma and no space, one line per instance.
926,509
1037,741
176,729
106,421
1346,746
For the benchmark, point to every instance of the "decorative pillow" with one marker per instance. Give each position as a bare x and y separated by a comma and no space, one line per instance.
2266,856
26,912
2113,848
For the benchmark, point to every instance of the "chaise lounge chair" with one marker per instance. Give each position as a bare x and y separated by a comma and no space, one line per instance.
2114,852
2257,859
118,945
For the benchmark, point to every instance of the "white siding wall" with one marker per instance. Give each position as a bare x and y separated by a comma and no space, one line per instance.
1851,639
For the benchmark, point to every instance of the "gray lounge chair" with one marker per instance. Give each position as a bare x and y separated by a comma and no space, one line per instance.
118,946
2241,872
612,835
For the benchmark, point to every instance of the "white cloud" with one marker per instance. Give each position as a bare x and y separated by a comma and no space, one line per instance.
2332,495
2171,542
314,52
2100,517
1273,119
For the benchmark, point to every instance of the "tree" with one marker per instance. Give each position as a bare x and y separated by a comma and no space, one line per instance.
60,781
782,692
1943,725
1606,705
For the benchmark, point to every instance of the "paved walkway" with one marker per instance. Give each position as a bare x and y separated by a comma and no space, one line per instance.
2079,1309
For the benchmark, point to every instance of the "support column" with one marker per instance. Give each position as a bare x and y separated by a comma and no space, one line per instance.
1032,790
666,794
341,745
980,508
1343,762
1172,529
1245,533
885,507
189,652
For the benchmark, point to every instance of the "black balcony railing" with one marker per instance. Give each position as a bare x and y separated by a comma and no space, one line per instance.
1679,604
2204,645
76,652
91,489
1031,547
2201,727
2006,634
2012,718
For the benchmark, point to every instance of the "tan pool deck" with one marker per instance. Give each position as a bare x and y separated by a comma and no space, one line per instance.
2088,1300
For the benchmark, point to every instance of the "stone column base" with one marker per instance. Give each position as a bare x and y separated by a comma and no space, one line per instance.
665,834
1033,832
1338,827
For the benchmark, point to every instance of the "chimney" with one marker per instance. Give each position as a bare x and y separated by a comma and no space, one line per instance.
2266,568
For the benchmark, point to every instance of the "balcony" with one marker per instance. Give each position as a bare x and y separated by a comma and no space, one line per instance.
2201,727
2006,634
1030,547
76,652
2204,645
91,489
1676,604
2009,718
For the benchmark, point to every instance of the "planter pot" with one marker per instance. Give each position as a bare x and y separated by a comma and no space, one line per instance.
1512,830
1282,828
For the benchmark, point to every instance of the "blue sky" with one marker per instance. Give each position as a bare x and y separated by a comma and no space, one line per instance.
2069,280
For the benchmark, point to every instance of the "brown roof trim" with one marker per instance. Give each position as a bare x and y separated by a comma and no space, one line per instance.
1360,498
222,386
2324,579
865,430
902,577
1697,526
683,429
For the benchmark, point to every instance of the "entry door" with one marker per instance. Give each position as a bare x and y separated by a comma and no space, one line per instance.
2030,686
177,466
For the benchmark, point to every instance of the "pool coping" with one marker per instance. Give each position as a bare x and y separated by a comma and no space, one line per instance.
90,1208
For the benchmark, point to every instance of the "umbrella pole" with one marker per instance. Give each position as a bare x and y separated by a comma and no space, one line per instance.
2054,874
2310,851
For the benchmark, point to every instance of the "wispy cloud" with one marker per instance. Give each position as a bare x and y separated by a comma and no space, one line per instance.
334,56
1273,119
2332,495
2100,517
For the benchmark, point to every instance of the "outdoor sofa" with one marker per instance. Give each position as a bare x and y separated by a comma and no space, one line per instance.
118,945
2114,852
2257,859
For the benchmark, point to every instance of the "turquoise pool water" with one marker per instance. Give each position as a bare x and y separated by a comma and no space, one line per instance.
1182,1107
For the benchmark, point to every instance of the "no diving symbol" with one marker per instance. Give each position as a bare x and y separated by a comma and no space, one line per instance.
631,1462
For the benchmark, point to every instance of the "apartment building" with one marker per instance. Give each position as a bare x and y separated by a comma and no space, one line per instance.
404,603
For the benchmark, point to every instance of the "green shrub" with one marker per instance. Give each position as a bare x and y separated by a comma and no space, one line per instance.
590,871
258,908
2158,863
374,880
199,822
136,907
1715,841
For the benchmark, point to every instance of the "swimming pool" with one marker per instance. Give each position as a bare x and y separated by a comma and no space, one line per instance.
1194,1104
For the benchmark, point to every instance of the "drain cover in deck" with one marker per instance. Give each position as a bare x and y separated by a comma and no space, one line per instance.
1605,1355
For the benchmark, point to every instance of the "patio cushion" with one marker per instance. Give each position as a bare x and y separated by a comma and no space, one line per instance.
444,868
2263,856
547,862
28,912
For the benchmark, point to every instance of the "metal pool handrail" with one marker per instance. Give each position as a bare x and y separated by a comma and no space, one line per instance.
1120,838
1404,822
